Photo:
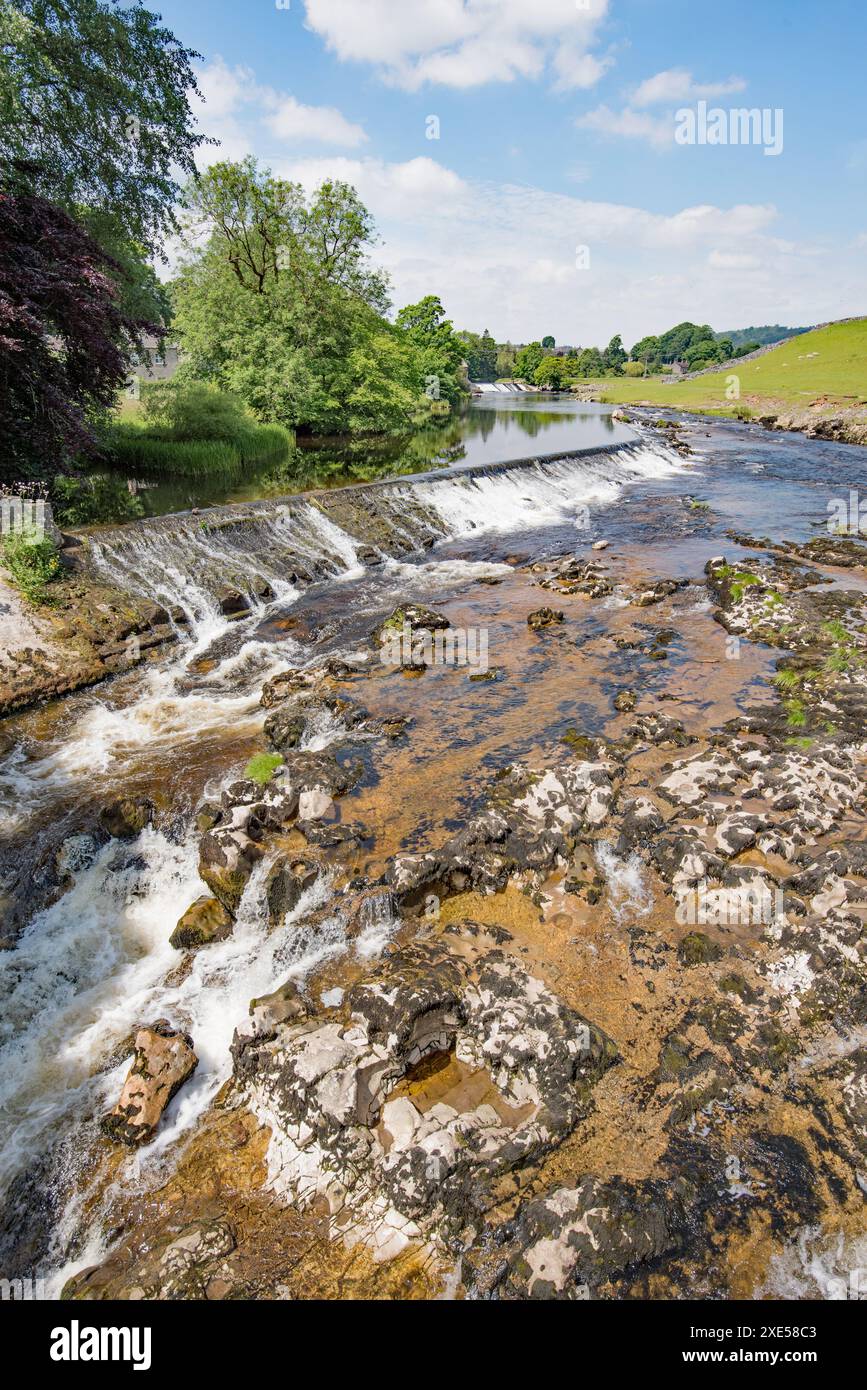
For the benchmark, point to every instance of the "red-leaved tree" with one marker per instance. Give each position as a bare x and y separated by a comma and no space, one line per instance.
64,340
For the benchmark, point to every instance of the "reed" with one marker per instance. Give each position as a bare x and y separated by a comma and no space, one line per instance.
146,451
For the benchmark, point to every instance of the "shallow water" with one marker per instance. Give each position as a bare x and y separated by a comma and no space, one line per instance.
95,963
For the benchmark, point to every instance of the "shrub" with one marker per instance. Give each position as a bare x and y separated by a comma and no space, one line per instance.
194,411
33,562
634,369
132,448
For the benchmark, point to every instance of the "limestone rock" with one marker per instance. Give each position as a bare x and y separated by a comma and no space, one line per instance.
164,1059
544,617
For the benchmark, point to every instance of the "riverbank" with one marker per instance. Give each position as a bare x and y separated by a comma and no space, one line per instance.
815,384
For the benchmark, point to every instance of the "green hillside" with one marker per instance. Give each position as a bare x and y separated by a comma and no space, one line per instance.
826,368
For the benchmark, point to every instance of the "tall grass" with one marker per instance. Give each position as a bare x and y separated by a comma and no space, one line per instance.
147,451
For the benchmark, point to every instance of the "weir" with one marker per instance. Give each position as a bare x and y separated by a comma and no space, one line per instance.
273,547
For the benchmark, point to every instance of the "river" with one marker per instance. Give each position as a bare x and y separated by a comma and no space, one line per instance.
95,963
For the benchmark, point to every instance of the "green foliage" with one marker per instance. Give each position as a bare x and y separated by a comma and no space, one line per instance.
95,109
384,392
590,363
647,352
528,361
90,501
742,580
614,355
551,371
193,410
440,350
634,369
276,304
32,562
506,357
796,713
262,767
787,679
133,449
751,338
480,353
141,294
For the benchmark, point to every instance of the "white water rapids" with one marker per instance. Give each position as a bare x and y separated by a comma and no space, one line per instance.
91,967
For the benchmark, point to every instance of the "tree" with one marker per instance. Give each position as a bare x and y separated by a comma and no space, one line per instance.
528,360
646,351
549,343
63,336
590,363
480,353
551,371
674,344
265,229
614,355
506,355
95,109
275,303
442,352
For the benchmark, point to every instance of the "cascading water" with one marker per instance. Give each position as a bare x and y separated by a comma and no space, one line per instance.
96,963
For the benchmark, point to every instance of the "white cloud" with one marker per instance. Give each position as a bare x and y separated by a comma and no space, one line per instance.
732,260
324,125
464,43
676,85
235,102
506,255
670,88
657,130
224,88
412,191
575,68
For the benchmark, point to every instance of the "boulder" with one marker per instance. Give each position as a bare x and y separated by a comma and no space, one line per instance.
544,617
227,858
316,804
414,616
206,921
164,1059
126,817
287,881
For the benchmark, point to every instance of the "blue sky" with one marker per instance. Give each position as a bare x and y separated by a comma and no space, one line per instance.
556,132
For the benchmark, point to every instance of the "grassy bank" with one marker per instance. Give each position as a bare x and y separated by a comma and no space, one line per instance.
824,371
134,447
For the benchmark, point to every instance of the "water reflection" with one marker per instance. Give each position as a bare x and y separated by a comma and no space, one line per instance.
487,431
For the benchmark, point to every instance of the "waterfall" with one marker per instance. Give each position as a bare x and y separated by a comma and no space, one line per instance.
274,548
